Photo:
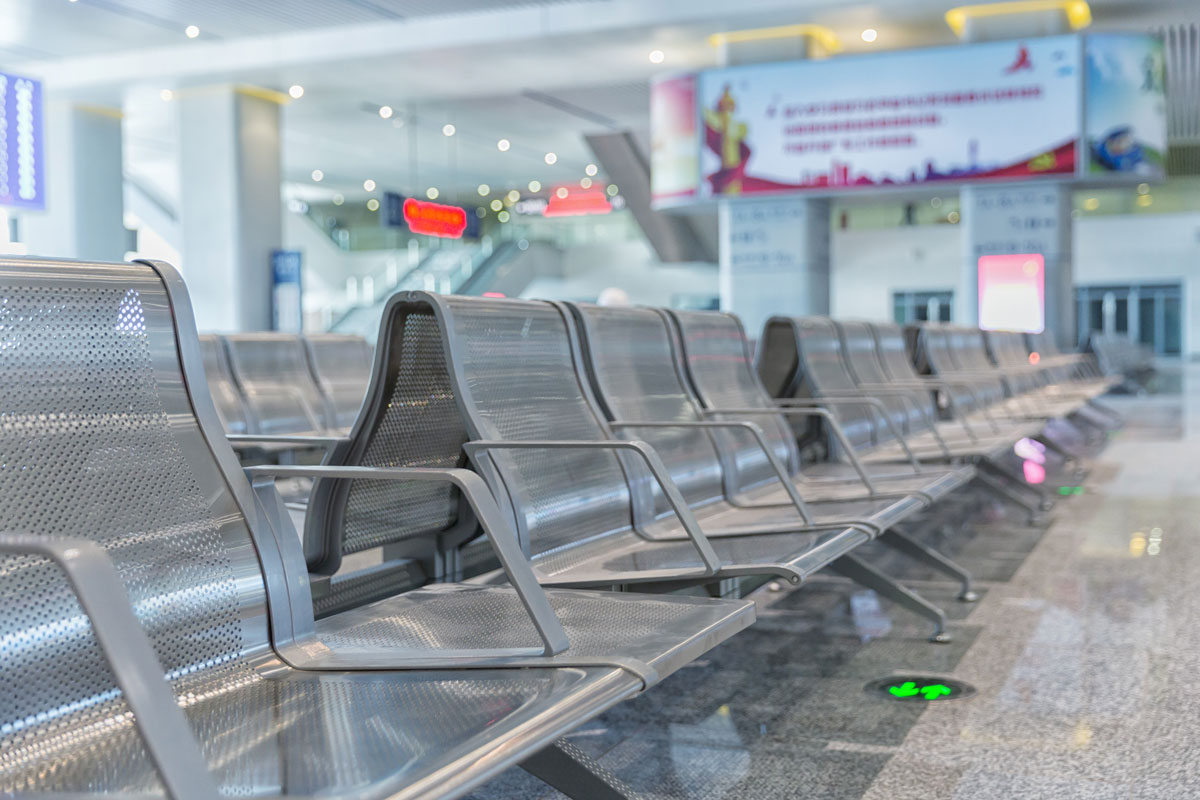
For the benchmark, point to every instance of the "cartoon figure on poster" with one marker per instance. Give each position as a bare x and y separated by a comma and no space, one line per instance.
1126,105
726,137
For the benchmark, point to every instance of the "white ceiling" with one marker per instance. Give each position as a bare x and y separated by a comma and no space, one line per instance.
542,73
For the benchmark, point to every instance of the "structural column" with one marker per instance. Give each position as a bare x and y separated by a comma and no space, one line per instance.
231,209
1019,218
774,254
1026,218
84,216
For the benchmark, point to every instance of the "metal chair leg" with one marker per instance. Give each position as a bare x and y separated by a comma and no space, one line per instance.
903,542
865,575
576,774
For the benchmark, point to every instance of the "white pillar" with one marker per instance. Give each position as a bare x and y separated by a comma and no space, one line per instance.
84,216
1024,217
774,254
231,214
774,259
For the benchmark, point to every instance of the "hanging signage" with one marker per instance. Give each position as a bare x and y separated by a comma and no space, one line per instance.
578,202
435,219
22,156
996,111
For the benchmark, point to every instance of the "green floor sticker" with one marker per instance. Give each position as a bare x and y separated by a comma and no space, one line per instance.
920,688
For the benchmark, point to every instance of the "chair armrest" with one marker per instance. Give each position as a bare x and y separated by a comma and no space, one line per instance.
241,441
871,402
652,460
500,534
757,433
159,720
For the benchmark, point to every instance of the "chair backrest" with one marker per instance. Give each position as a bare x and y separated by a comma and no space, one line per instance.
631,360
862,357
716,357
227,398
410,418
822,372
341,364
102,441
894,353
517,377
1007,350
273,371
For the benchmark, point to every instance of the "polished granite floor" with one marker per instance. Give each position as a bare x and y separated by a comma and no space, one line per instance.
1084,649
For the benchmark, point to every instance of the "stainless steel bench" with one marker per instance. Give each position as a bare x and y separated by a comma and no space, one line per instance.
231,407
275,378
341,364
159,630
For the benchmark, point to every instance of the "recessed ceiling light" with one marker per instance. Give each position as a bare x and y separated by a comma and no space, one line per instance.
503,216
591,170
385,112
561,192
612,190
166,94
296,91
448,129
191,31
657,56
338,199
484,190
372,204
513,196
535,186
586,183
869,35
503,145
369,185
551,158
432,193
496,205
318,176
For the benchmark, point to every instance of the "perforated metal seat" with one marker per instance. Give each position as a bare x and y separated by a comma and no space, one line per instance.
582,500
722,464
121,481
342,366
272,370
231,407
719,368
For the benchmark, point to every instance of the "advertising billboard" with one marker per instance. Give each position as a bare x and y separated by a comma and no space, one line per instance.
1126,119
22,157
912,117
674,142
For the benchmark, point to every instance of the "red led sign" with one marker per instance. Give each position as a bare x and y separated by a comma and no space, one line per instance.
435,219
576,203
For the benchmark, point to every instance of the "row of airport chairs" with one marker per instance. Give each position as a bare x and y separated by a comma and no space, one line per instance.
158,603
279,383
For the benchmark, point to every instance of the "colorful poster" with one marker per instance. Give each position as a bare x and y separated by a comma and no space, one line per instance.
674,157
22,180
1126,105
1001,110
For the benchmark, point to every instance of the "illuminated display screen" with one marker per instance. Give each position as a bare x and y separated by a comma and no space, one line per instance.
435,219
22,180
1012,293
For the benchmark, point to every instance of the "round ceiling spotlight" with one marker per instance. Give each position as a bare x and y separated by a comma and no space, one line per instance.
338,199
167,95
372,204
432,193
869,35
448,129
514,196
296,91
191,31
496,205
535,186
503,216
484,190
318,175
551,158
590,170
586,183
386,112
561,193
369,185
503,145
657,56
